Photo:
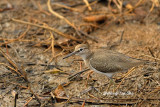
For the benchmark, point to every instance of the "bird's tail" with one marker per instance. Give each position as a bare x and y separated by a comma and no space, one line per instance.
147,62
150,63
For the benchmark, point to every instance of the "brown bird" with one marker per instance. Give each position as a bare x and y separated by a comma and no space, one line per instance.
105,61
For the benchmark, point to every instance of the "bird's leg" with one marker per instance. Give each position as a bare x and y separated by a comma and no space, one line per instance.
111,82
114,86
74,76
77,60
128,73
88,77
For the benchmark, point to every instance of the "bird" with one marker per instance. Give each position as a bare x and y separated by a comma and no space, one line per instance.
104,61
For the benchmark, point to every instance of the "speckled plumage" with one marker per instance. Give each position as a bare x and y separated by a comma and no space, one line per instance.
105,61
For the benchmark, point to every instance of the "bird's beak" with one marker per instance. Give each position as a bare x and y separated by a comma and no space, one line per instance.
73,53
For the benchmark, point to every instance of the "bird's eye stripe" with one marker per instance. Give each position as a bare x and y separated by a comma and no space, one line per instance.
82,49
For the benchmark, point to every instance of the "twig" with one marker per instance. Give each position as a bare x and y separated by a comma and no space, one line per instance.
105,101
81,3
29,87
118,4
121,37
86,35
24,87
151,52
92,96
72,77
155,3
15,100
155,90
58,15
68,100
83,104
47,27
28,101
43,105
139,2
52,44
7,41
87,4
88,77
10,68
151,57
67,7
15,95
67,21
41,10
8,58
13,63
130,71
24,33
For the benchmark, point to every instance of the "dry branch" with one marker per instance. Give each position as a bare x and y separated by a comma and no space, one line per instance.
67,21
67,7
13,63
48,28
58,15
87,4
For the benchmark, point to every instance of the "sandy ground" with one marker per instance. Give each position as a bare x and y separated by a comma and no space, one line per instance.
30,50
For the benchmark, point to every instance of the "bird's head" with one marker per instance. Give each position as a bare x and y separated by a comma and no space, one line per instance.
81,50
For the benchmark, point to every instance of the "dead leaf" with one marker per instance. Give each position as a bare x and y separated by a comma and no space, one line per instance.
53,71
95,18
59,91
129,7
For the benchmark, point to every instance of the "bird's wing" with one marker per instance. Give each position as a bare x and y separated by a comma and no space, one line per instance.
110,61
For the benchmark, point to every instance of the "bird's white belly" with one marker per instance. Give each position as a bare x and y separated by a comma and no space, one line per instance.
88,64
107,74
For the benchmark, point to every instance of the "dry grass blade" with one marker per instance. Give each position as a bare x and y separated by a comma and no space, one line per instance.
24,76
52,44
9,59
118,4
129,72
53,71
48,49
151,57
72,77
7,41
19,85
48,28
60,92
105,101
155,90
83,104
29,87
67,21
13,63
67,7
28,101
8,67
41,10
46,102
87,4
139,2
15,95
155,3
58,15
95,18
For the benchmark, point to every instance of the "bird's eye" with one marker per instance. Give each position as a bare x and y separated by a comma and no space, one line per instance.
81,49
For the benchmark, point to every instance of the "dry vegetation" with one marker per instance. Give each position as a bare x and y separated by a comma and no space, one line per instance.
36,34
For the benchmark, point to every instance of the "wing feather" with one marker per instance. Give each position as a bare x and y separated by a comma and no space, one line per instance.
110,61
